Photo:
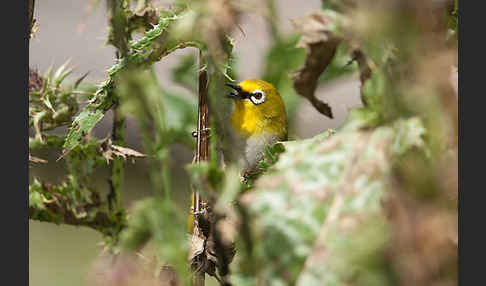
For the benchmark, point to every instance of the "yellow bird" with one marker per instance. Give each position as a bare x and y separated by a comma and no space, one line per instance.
258,119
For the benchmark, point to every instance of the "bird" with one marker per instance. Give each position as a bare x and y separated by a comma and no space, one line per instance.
259,119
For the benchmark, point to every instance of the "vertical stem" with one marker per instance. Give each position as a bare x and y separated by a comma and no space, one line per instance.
118,37
117,170
202,149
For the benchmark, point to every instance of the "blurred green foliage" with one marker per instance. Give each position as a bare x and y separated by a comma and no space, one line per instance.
316,213
337,178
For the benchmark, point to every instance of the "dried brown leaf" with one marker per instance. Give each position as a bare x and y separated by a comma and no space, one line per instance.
197,246
206,250
320,43
125,152
108,150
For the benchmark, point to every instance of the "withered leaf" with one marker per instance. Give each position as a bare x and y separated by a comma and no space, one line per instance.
125,152
108,150
320,43
197,246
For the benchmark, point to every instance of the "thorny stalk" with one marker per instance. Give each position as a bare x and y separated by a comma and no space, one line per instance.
117,170
119,38
202,152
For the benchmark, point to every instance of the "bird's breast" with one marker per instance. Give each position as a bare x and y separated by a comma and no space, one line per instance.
247,121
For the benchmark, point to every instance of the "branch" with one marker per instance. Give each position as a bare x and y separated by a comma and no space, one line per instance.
49,203
76,202
143,53
117,169
210,254
118,34
119,38
202,155
202,151
59,214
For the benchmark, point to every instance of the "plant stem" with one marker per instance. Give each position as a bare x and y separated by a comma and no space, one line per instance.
119,38
202,149
117,168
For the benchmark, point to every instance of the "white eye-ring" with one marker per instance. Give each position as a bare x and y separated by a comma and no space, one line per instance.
257,97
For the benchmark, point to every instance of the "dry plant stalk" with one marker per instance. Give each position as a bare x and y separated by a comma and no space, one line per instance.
202,155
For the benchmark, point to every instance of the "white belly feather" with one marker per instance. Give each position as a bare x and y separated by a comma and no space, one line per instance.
255,146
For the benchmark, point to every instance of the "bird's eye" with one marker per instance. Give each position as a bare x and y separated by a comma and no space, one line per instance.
257,97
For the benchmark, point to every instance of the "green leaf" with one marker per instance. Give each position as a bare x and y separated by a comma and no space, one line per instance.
82,125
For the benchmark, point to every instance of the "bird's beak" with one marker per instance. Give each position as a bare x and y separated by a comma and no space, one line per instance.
240,94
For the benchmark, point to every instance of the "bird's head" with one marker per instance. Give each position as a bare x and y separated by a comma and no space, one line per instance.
257,95
258,108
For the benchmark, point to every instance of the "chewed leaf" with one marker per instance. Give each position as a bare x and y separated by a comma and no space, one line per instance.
83,124
108,150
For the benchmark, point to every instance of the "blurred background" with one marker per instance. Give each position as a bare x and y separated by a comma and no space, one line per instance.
71,30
